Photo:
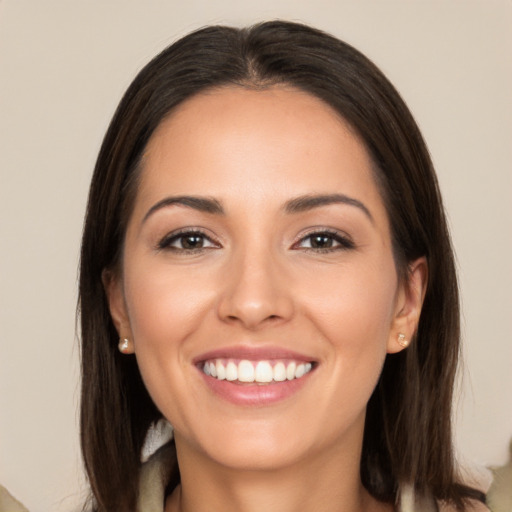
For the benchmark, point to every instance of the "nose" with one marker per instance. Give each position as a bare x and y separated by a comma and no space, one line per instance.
256,292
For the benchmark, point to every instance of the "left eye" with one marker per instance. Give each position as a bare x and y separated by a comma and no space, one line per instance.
322,241
190,241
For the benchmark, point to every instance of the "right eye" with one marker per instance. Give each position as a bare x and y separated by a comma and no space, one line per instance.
324,240
187,242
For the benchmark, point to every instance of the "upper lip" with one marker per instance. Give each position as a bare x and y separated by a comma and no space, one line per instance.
253,354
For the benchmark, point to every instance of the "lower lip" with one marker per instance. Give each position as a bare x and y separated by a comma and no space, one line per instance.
254,394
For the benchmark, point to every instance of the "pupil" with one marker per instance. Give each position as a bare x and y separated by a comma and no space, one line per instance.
192,241
321,241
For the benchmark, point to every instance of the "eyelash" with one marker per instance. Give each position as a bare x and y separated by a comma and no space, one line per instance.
166,242
343,241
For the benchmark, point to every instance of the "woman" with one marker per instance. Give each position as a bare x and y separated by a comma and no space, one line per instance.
264,229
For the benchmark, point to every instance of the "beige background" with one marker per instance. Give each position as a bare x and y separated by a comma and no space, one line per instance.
63,68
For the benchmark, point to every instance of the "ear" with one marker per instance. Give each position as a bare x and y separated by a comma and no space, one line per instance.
113,286
410,296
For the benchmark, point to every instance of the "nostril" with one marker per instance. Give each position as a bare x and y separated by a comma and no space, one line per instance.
270,317
254,308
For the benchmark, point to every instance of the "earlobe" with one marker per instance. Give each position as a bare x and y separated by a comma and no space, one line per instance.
117,305
125,346
408,307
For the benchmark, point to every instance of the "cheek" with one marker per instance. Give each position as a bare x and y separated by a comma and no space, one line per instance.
353,304
162,305
353,309
165,309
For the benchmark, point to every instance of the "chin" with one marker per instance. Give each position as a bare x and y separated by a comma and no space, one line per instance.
266,445
258,455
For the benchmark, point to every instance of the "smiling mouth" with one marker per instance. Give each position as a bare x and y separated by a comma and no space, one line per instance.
258,372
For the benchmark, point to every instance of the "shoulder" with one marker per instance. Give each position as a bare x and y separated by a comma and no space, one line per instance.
8,503
410,501
153,479
475,477
475,506
499,496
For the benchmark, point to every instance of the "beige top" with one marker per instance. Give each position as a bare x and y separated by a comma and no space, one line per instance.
155,475
8,503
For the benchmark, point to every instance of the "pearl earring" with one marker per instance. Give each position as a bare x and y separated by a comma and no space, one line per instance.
124,346
402,341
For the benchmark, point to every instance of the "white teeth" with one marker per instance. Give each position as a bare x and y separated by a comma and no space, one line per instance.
279,372
255,371
231,371
245,371
290,371
263,372
221,371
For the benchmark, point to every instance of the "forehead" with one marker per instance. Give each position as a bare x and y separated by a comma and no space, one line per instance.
282,113
252,142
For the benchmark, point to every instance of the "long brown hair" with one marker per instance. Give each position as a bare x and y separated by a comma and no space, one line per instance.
407,436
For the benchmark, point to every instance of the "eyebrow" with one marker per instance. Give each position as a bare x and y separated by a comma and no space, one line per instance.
297,205
203,204
310,201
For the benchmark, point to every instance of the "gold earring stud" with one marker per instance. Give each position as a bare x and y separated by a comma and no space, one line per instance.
402,341
124,346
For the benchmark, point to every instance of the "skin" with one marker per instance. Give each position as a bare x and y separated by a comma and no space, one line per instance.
258,281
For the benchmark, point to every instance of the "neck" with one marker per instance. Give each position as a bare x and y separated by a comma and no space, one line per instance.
328,482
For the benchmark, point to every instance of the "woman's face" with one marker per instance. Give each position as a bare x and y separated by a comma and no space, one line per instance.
258,282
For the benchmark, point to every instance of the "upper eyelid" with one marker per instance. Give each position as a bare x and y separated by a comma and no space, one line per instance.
322,230
344,240
214,239
184,231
